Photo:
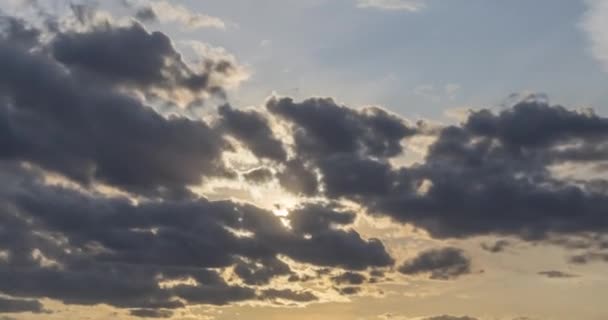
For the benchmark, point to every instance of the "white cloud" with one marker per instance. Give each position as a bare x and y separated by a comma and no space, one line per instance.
170,12
405,5
595,24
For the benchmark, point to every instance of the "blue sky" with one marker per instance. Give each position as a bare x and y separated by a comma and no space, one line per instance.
483,50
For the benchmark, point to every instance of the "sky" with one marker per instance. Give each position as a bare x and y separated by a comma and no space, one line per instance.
304,159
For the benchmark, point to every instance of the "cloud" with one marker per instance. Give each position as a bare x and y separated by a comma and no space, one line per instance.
595,24
132,57
441,264
339,140
323,127
254,130
151,313
289,295
154,246
165,11
81,106
401,5
146,14
349,291
351,278
84,129
491,176
298,178
555,274
589,257
17,32
126,251
18,306
497,246
341,247
261,272
259,175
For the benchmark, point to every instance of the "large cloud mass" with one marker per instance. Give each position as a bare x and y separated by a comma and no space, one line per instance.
100,189
64,112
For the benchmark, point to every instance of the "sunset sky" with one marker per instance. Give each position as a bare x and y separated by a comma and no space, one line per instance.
304,159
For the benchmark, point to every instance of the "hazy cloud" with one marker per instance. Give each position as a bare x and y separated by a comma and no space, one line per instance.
497,246
595,23
555,274
165,11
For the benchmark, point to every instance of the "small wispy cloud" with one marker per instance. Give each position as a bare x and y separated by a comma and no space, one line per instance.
165,11
595,24
403,5
555,274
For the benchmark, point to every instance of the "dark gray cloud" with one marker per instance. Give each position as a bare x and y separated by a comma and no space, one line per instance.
62,112
17,305
344,175
537,125
339,141
484,179
146,14
556,274
317,218
288,294
124,250
589,257
254,131
260,273
330,246
441,264
87,131
322,127
349,291
351,278
583,241
17,32
133,57
490,175
497,246
298,178
151,313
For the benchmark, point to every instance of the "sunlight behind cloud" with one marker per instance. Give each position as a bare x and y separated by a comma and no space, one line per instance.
147,173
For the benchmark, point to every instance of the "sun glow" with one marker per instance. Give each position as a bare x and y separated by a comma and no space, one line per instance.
280,212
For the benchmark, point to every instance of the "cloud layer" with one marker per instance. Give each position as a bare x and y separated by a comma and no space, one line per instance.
101,201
